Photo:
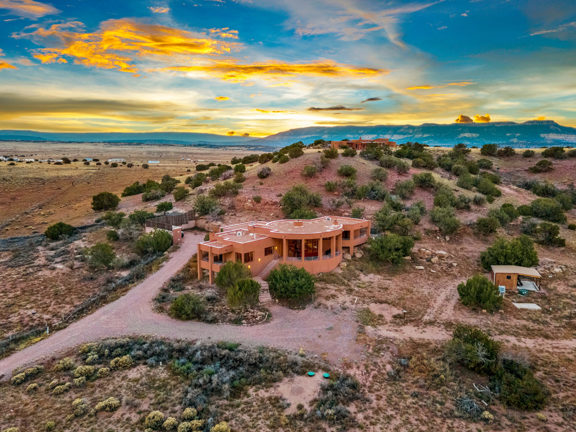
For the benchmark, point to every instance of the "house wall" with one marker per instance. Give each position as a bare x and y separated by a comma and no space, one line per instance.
509,280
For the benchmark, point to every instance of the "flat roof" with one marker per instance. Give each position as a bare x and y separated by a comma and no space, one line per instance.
526,271
305,226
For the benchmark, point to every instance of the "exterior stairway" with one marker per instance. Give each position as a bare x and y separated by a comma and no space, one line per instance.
265,296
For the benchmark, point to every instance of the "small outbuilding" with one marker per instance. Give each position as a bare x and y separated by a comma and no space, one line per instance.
516,277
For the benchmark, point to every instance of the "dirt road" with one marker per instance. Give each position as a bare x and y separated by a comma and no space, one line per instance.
315,330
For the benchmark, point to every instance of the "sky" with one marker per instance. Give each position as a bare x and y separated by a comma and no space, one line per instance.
259,67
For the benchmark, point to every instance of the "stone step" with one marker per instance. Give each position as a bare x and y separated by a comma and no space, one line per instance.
265,296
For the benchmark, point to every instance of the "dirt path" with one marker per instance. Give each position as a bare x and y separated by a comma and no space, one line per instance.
315,330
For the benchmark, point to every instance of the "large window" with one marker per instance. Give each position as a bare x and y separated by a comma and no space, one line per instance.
238,256
268,251
248,257
346,235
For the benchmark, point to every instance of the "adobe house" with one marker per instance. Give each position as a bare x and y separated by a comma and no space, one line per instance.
362,144
313,244
515,277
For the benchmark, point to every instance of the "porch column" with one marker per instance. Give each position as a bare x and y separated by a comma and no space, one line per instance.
333,246
302,251
340,243
284,250
210,262
198,259
320,248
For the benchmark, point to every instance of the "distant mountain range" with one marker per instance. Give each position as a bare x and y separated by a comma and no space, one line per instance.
535,133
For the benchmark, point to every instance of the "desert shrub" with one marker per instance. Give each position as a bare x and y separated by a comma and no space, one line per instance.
257,199
153,195
187,307
528,153
331,186
221,427
566,200
111,404
390,248
61,389
487,187
240,168
379,174
465,181
416,211
309,171
158,241
154,420
105,201
479,292
59,231
79,382
473,349
298,202
205,205
244,293
387,219
402,167
290,283
404,189
283,159
226,188
487,225
555,152
170,424
357,212
122,362
459,169
250,159
371,191
265,157
48,427
64,364
424,180
79,407
230,273
191,426
32,388
518,251
13,429
548,209
163,207
84,371
295,152
140,217
103,372
541,166
572,227
462,202
518,388
347,171
444,218
389,161
180,193
189,413
331,153
548,234
510,211
99,256
220,171
134,189
264,172
479,200
444,197
113,219
349,152
484,163
489,150
506,152
197,180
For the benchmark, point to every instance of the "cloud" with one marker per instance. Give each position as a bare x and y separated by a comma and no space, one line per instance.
232,71
463,119
334,108
159,9
225,33
429,87
28,8
482,118
230,133
4,65
222,98
119,44
372,99
270,111
563,31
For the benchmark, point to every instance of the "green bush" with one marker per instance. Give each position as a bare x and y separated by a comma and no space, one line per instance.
549,234
465,181
541,166
226,188
404,189
187,307
309,171
205,205
59,231
158,241
331,186
479,200
140,217
379,174
180,193
153,195
331,153
264,172
506,152
555,152
105,201
487,187
122,362
519,251
230,274
240,168
487,225
154,420
25,375
257,199
164,207
484,163
444,197
390,248
113,219
518,388
246,292
347,171
189,413
479,292
134,189
572,227
473,349
265,157
290,283
64,364
299,202
61,389
424,180
444,218
99,256
84,371
548,209
111,404
170,424
357,212
489,150
528,153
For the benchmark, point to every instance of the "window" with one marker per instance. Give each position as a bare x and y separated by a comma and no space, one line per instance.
248,257
238,256
508,277
268,251
346,235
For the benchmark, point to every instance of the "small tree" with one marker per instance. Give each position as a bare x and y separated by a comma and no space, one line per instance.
489,150
59,231
443,218
158,241
519,251
101,255
391,248
542,166
163,207
548,234
474,349
114,219
404,189
240,168
487,225
424,180
230,274
205,205
548,209
299,201
347,171
180,193
331,153
309,171
140,217
245,292
187,307
480,292
291,284
105,201
264,172
519,388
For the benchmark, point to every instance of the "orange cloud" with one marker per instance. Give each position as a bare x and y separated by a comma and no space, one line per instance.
482,118
540,118
28,8
119,43
429,87
4,65
222,98
225,33
463,119
269,111
231,71
159,9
